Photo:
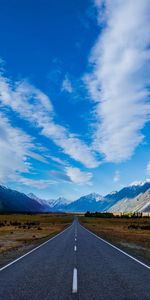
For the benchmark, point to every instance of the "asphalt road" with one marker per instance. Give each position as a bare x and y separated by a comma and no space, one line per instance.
75,265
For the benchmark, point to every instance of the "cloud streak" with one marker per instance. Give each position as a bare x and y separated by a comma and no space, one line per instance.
39,183
148,168
73,175
67,85
33,105
116,177
120,77
16,147
78,176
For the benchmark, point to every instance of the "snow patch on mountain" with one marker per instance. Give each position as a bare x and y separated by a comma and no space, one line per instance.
139,183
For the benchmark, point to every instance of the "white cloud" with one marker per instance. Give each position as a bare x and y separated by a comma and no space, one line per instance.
39,183
67,85
148,168
60,175
116,177
57,160
24,98
33,105
120,76
38,157
78,176
15,147
70,144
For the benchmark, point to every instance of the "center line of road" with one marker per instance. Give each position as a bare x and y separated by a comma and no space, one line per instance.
74,283
75,239
75,248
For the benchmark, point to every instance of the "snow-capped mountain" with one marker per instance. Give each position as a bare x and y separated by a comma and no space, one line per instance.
126,195
45,203
129,192
95,202
139,183
140,203
51,204
89,202
60,200
135,197
60,204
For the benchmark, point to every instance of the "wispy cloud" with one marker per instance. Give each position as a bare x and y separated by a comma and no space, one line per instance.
116,177
67,85
148,168
73,175
33,105
57,160
119,78
78,176
36,183
15,149
60,175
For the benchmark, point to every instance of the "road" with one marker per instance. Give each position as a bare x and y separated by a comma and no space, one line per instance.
75,265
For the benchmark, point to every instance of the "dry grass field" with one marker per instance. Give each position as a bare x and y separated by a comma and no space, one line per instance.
21,232
132,234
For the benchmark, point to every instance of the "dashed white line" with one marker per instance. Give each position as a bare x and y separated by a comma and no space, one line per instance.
75,281
75,239
75,232
75,248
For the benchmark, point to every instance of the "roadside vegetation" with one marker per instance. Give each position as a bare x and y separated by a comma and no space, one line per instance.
131,232
21,232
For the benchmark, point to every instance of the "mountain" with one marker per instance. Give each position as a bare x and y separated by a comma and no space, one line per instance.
45,203
52,204
140,203
134,197
95,202
128,192
60,204
14,201
89,202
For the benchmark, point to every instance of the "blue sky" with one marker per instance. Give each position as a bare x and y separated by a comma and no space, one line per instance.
74,95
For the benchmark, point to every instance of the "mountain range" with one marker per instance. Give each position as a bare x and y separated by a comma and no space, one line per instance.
133,198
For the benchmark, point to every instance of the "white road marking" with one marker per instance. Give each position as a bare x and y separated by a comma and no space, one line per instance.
14,261
75,248
75,281
75,239
76,231
130,256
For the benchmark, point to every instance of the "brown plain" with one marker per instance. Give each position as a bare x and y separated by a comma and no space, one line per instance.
125,233
21,232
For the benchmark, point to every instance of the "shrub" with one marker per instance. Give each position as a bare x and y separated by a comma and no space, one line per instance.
39,228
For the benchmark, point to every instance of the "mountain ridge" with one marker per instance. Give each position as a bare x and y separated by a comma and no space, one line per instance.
124,199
